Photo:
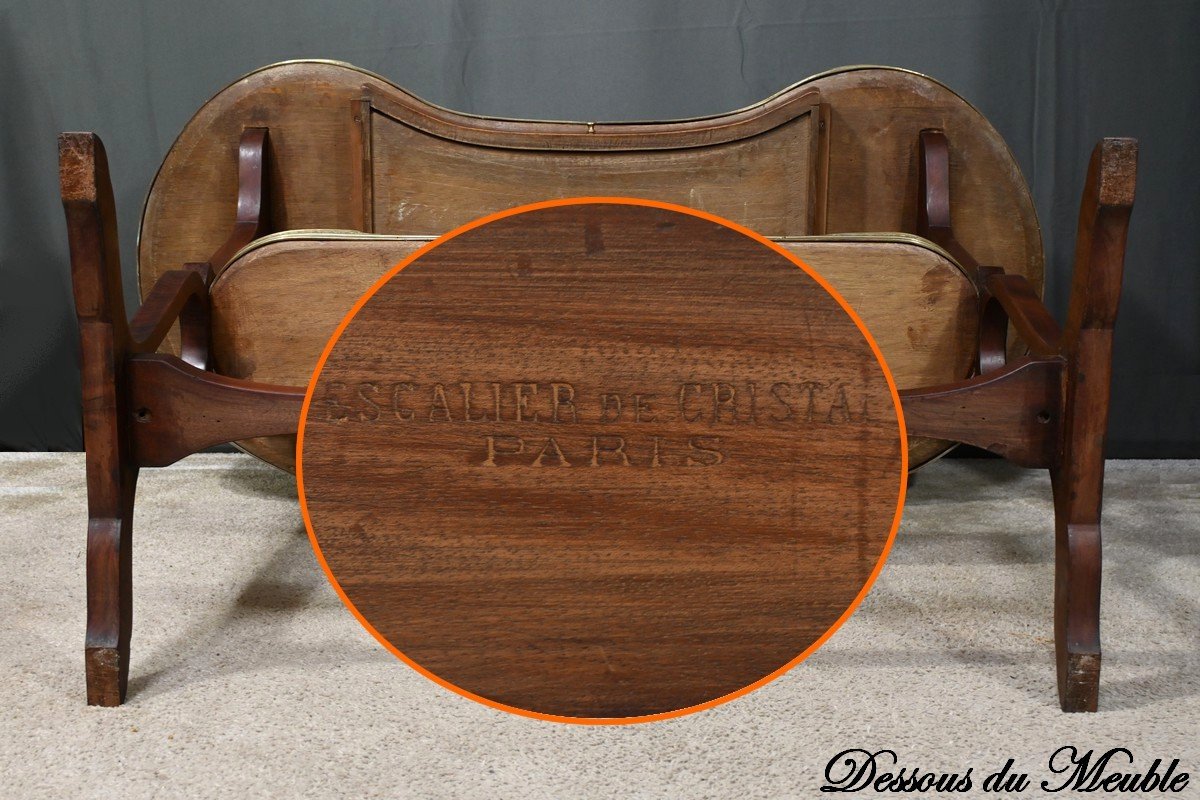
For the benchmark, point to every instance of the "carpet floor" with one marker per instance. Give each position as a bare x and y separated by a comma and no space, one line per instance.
250,679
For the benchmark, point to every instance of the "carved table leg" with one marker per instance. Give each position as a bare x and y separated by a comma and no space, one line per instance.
111,471
119,431
109,580
1075,453
1078,477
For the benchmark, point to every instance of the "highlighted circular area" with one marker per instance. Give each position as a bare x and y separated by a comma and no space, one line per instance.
602,460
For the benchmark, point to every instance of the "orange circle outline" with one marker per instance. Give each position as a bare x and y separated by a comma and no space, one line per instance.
662,715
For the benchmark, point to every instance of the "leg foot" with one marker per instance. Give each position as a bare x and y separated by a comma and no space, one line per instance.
1077,614
110,605
107,675
1078,681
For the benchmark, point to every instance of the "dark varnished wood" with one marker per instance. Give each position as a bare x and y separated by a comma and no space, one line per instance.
1078,478
1031,321
1056,415
594,136
179,410
934,223
601,460
933,192
180,295
111,473
1013,412
832,154
121,379
252,219
762,165
993,325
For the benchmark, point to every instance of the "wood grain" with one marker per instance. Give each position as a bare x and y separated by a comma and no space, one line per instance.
178,409
105,342
917,303
1078,477
1014,411
139,408
420,181
350,150
602,461
876,117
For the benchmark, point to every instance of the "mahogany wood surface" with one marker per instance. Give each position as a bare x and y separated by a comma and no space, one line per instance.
251,218
1051,409
1013,412
145,409
139,408
602,460
1078,475
179,410
105,342
919,305
836,153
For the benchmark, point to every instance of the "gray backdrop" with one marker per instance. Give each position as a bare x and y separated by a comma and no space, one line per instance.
1051,76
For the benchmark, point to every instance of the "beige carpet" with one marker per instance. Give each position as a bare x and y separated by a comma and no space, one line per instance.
251,680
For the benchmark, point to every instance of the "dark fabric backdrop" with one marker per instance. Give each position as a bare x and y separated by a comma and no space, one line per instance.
1051,76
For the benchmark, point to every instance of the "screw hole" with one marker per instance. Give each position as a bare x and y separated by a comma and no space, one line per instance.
1043,417
142,415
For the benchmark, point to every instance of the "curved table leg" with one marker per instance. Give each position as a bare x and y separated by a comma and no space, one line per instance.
111,471
120,429
1075,455
1078,476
